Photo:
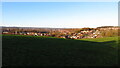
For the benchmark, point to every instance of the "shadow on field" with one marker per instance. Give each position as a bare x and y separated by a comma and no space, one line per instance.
36,51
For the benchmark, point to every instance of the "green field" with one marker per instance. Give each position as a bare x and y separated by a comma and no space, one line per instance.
21,50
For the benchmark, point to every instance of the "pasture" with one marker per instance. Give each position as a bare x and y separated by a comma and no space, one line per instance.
21,50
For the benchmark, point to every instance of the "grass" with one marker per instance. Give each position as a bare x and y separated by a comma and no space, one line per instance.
19,50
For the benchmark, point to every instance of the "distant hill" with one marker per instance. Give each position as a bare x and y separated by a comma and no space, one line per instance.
108,27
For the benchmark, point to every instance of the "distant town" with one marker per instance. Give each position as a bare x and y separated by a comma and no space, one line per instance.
67,33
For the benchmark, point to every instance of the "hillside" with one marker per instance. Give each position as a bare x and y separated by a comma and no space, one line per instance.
19,50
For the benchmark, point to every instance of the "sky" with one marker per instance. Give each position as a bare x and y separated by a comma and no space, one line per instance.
60,0
60,14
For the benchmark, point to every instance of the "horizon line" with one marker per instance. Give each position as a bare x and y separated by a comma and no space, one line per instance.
52,27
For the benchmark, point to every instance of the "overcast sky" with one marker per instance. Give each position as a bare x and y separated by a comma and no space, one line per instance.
60,14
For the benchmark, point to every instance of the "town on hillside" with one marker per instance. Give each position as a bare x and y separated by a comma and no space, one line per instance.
68,33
